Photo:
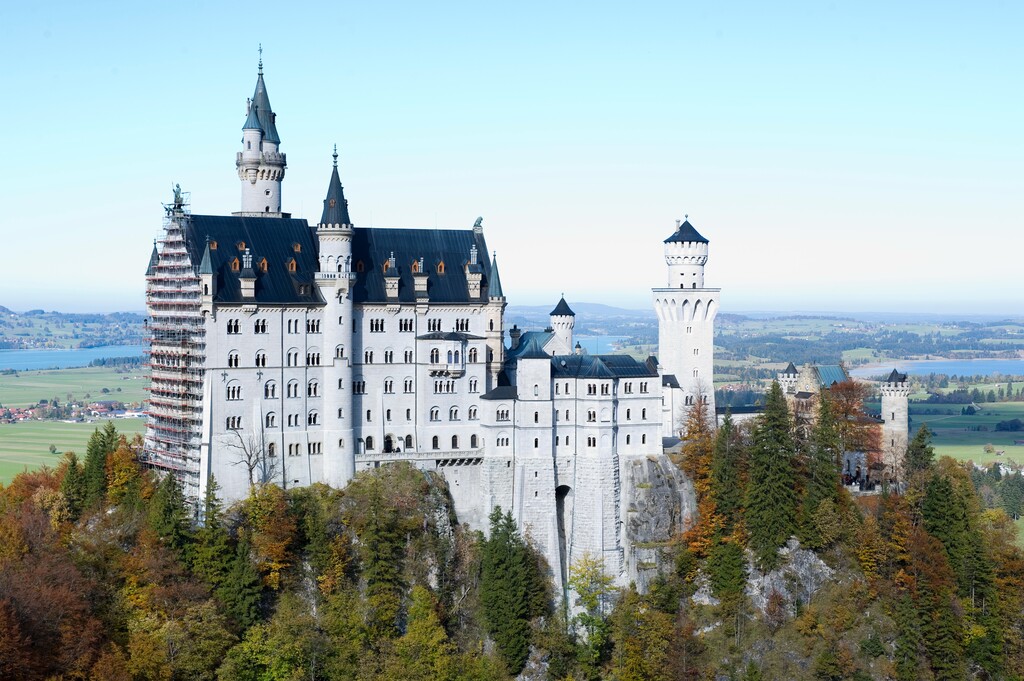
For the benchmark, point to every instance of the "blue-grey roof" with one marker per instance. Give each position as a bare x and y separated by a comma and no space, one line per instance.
449,336
266,115
154,259
896,377
335,205
532,347
206,266
790,370
601,366
526,340
494,290
372,247
670,381
502,392
686,232
562,309
274,239
252,122
831,373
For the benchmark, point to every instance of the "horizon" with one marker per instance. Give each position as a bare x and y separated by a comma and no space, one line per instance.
839,158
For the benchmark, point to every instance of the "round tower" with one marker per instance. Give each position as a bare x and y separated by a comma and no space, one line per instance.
563,319
895,391
686,327
334,279
260,164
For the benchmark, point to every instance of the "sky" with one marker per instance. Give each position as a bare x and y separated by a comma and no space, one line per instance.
838,156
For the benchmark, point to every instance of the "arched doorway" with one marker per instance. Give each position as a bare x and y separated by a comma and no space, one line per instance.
389,444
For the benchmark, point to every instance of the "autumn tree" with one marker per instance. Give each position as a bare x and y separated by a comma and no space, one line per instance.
698,448
771,497
641,636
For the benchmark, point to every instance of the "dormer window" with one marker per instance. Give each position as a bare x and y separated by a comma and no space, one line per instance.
291,265
297,247
360,267
262,265
440,267
213,245
241,245
415,266
234,265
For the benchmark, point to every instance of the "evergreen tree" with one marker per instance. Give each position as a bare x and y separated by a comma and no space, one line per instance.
168,515
382,544
920,453
771,497
504,592
1011,494
212,555
240,590
726,475
101,445
822,472
72,486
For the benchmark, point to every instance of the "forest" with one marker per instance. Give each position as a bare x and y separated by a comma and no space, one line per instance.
105,573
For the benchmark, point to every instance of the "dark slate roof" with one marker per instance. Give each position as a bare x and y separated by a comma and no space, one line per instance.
790,370
896,377
448,336
601,366
154,259
831,373
562,309
266,115
804,395
525,340
686,232
372,248
532,348
206,266
270,238
495,286
335,205
253,121
502,392
670,381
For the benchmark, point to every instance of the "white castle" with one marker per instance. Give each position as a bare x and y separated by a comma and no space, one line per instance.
293,353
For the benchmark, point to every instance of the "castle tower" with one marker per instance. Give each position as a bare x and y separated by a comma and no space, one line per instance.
334,280
563,319
495,323
895,421
686,320
260,164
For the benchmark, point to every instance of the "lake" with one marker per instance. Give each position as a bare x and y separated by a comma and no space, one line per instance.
57,358
600,345
950,367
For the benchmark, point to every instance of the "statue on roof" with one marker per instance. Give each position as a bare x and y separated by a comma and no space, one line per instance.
479,223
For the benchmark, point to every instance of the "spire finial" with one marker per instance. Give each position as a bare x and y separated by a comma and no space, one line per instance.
335,155
261,58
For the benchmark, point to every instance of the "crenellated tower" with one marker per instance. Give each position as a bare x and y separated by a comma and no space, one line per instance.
895,391
686,327
334,279
260,163
563,319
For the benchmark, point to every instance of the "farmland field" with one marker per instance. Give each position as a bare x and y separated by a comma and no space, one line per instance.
26,388
27,444
965,437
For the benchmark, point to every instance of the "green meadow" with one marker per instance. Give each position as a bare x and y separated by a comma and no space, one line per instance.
27,444
965,437
26,388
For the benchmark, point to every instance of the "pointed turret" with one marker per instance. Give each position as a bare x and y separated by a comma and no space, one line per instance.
206,266
494,281
563,319
154,258
253,121
260,163
335,205
261,102
562,309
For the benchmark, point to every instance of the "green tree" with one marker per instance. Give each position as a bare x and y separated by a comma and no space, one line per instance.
504,591
212,554
642,636
822,473
424,652
771,498
593,588
726,475
381,552
920,453
72,486
240,590
101,445
168,515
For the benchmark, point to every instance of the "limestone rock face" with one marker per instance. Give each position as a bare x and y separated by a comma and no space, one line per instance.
660,503
801,575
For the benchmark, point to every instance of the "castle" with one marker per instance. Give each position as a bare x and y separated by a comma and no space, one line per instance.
293,353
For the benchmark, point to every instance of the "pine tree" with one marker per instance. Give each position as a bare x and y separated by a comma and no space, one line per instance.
771,498
726,475
822,472
168,515
920,453
381,544
211,558
504,593
908,640
240,590
101,445
72,486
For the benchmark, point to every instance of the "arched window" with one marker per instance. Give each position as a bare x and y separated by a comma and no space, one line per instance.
440,267
339,352
435,356
643,439
472,355
312,418
312,389
435,414
435,443
232,360
455,441
473,414
360,267
291,264
235,265
627,439
293,389
234,391
536,443
270,390
261,359
643,414
263,265
271,420
272,449
449,356
408,441
453,414
473,442
369,443
415,266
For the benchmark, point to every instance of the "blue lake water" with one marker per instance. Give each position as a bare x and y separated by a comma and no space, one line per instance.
958,367
599,345
25,360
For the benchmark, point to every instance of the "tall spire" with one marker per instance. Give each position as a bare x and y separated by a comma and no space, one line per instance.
261,102
493,280
335,205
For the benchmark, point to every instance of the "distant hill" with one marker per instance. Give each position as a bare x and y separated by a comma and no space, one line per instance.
581,309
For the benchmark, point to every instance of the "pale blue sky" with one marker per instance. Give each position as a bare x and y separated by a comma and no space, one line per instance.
842,156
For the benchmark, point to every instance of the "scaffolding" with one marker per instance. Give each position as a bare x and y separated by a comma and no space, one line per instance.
176,355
